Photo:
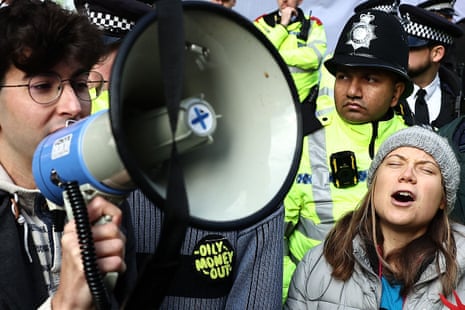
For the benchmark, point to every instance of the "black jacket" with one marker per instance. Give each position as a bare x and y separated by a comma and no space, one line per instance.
21,282
452,102
455,133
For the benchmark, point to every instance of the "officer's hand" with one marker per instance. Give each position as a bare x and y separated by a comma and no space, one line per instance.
286,15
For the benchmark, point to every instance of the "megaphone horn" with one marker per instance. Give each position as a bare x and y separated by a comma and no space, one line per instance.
239,131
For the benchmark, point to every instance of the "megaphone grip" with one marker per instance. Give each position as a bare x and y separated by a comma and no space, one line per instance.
89,258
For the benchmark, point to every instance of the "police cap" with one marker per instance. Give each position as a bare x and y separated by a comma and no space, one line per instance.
443,7
373,39
388,6
425,27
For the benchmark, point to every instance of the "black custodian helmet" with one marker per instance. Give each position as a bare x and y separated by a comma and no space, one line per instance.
373,39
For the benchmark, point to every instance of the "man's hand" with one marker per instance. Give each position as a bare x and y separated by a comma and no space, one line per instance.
286,15
73,291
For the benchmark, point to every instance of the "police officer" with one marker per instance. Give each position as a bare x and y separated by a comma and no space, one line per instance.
370,68
325,99
455,57
299,39
437,97
114,17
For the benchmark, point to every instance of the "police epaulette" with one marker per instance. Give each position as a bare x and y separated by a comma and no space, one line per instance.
317,20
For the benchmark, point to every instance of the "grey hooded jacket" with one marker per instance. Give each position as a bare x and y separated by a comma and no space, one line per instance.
313,287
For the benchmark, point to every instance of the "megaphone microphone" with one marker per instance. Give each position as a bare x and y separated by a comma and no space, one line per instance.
85,151
81,160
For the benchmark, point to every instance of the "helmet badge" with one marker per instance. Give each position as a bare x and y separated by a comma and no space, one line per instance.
362,32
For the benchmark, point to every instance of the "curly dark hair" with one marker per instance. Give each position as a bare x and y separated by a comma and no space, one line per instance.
37,35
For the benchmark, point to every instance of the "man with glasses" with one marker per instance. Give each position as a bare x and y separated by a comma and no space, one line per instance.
45,56
47,88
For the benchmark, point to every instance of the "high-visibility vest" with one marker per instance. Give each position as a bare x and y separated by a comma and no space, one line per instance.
101,102
302,53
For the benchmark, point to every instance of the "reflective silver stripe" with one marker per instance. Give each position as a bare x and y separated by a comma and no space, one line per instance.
322,112
293,69
314,231
325,91
320,188
316,42
312,45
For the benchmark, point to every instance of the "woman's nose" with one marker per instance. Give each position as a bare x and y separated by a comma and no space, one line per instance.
407,175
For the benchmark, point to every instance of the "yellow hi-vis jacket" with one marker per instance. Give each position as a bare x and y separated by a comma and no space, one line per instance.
302,53
101,102
314,203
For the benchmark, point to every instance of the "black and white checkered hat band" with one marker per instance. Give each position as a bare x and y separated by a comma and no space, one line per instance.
108,22
426,32
388,8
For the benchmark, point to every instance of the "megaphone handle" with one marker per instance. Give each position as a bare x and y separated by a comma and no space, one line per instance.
109,278
76,208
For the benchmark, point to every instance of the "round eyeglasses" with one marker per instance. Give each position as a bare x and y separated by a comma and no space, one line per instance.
47,88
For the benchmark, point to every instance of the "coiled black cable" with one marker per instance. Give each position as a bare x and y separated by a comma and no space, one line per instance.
89,258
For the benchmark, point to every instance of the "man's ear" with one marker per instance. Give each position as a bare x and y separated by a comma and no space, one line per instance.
437,53
399,88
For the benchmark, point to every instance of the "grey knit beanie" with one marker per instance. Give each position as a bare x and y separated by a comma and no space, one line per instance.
432,143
